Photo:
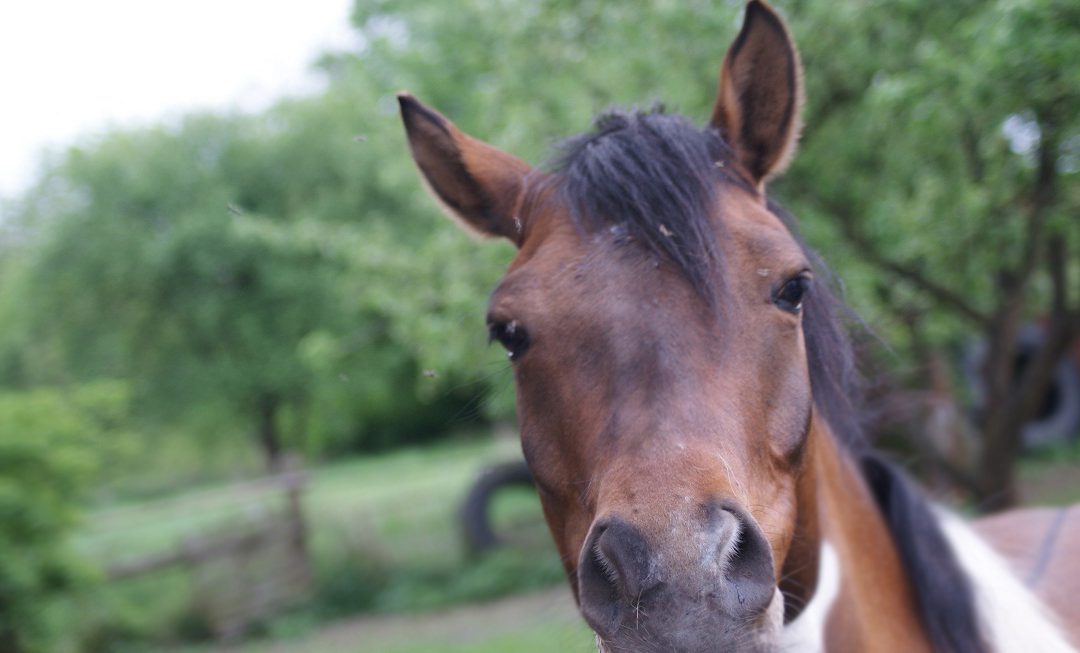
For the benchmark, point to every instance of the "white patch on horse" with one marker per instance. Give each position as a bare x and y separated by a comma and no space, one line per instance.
1012,619
772,622
807,633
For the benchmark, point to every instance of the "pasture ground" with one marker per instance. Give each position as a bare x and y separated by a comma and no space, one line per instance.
383,539
394,578
537,622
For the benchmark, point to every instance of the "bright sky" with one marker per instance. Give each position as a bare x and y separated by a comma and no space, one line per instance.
71,68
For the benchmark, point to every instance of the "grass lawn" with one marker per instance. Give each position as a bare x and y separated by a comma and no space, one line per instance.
536,622
392,490
385,546
383,537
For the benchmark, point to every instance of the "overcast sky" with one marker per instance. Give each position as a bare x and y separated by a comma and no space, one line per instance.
71,68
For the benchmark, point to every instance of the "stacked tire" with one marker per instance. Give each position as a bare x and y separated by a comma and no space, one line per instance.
1059,416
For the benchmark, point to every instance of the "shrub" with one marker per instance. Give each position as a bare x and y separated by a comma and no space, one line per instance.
50,443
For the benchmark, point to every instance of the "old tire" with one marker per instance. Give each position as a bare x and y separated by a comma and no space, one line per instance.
1059,417
477,531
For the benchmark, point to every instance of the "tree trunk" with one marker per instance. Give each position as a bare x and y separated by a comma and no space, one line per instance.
9,640
266,431
996,470
1012,403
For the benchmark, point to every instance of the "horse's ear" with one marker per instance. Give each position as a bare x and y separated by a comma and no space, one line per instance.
475,183
759,106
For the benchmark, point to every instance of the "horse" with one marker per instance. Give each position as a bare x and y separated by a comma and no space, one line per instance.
684,388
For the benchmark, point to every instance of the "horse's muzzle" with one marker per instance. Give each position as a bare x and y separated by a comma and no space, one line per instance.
708,586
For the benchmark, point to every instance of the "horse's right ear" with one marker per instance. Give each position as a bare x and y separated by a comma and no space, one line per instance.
759,106
476,183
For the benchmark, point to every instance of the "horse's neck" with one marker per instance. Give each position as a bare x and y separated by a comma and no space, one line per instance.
859,599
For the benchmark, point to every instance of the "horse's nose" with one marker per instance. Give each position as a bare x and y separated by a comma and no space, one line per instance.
732,571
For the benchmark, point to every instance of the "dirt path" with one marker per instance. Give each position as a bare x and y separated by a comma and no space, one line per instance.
459,626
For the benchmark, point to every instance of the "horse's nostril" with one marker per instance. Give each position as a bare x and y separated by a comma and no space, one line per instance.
624,554
614,571
751,584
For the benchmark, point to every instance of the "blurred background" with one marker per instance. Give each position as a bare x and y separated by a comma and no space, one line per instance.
246,401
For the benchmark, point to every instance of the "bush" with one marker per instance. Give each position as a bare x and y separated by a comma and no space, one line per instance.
50,448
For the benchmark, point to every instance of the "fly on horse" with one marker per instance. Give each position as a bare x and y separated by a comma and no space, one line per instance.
685,404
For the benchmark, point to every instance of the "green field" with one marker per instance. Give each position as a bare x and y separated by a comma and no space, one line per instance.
383,536
391,572
536,622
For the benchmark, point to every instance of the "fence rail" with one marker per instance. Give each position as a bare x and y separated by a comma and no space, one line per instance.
241,573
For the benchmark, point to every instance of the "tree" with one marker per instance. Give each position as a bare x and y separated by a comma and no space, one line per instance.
157,280
941,147
937,174
230,266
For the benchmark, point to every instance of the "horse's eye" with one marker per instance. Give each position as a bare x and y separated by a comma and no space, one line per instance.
510,335
790,296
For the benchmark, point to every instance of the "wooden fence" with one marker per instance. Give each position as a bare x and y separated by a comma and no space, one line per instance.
242,572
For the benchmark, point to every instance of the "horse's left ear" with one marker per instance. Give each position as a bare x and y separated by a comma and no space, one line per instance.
759,108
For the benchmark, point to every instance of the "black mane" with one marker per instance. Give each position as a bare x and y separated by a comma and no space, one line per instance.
660,175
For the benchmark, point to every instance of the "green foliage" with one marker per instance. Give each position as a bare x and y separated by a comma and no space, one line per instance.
923,125
290,257
52,445
239,285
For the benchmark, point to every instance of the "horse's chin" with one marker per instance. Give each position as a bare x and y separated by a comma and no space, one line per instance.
768,630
